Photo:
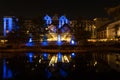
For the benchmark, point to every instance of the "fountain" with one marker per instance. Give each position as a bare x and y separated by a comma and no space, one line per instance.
59,43
58,31
30,41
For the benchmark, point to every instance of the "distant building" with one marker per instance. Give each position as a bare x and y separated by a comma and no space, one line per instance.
28,25
99,22
83,24
109,31
9,23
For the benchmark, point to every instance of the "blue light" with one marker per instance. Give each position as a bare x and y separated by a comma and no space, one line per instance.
62,21
30,56
63,73
30,42
30,39
4,69
7,73
73,55
45,56
59,43
48,73
48,19
4,27
44,43
7,25
72,42
59,57
10,24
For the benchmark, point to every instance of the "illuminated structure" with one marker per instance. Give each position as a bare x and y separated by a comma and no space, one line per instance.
9,23
58,29
30,41
63,20
110,31
61,58
48,19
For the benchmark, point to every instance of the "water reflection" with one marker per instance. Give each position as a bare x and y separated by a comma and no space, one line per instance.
7,73
45,56
30,57
59,66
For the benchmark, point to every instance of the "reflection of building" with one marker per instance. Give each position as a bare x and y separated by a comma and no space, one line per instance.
113,60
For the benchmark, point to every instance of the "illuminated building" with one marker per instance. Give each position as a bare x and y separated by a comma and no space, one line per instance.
58,28
9,24
109,31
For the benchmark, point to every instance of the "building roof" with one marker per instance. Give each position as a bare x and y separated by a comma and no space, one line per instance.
105,25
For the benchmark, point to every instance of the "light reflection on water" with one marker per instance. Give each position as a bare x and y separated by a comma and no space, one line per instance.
59,65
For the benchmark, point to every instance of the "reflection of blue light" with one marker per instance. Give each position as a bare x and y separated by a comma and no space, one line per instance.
48,73
44,43
7,73
4,69
30,56
73,55
63,73
30,44
59,57
45,56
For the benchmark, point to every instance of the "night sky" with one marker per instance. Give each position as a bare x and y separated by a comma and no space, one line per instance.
75,8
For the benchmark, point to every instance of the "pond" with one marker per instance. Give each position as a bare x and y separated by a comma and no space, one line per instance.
60,66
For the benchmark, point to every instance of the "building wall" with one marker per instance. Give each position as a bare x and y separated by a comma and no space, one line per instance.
112,59
109,31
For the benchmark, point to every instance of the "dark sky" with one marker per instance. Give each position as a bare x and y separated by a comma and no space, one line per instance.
84,8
